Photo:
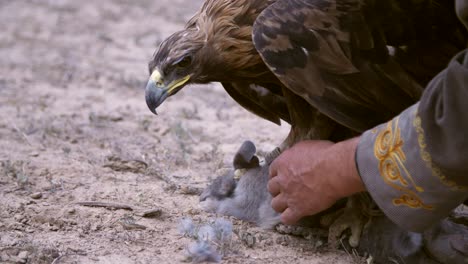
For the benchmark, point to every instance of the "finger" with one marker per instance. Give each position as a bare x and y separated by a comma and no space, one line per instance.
274,168
279,203
274,187
289,217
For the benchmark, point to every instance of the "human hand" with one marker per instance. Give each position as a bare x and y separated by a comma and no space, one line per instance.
311,176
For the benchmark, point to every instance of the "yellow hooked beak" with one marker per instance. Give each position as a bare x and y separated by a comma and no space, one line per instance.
157,90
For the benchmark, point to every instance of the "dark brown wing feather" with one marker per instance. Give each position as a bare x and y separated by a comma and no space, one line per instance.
435,35
259,101
334,55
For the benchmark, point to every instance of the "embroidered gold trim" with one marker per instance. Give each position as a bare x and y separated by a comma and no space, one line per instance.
426,156
388,149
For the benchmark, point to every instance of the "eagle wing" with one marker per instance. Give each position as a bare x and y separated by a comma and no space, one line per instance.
259,100
334,55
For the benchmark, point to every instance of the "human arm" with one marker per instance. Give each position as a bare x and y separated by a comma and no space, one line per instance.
416,166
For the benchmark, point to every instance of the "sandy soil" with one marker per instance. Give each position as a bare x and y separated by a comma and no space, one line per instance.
74,127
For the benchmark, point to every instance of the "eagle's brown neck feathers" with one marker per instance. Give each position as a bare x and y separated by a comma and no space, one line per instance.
226,28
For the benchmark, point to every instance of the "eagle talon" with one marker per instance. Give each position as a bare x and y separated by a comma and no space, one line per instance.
348,218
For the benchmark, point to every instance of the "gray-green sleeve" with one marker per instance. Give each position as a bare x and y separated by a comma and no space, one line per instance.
416,166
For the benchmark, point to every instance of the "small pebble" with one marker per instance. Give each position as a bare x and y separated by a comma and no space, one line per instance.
23,255
36,196
193,211
130,225
71,211
319,243
34,154
190,190
30,202
19,217
66,150
157,212
249,239
282,240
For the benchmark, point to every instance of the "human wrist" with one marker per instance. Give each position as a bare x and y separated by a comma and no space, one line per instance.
346,180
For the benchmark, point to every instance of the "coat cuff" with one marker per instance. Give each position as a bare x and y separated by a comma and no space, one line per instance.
398,172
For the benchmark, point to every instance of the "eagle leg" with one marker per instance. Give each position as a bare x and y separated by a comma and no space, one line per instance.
350,218
307,123
354,216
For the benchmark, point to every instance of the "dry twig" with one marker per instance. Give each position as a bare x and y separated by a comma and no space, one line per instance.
106,205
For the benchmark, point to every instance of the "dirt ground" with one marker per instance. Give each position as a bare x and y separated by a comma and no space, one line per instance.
74,127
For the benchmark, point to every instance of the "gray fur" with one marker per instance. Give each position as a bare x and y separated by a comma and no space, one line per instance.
250,201
247,198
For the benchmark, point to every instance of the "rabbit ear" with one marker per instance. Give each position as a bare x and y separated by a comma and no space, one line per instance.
245,157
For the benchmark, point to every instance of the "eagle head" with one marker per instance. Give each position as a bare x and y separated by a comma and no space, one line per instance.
179,61
215,46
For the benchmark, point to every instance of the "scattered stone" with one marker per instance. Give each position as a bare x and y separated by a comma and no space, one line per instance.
118,164
319,243
266,243
193,211
190,190
34,154
282,240
128,223
98,118
152,213
19,217
66,150
37,195
23,255
95,227
30,202
248,239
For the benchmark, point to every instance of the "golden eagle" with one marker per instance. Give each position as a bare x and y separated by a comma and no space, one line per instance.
324,66
321,65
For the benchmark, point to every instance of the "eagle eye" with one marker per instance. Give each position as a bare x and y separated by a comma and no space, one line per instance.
184,62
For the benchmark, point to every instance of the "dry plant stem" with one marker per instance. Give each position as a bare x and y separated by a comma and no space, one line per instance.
106,205
23,135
